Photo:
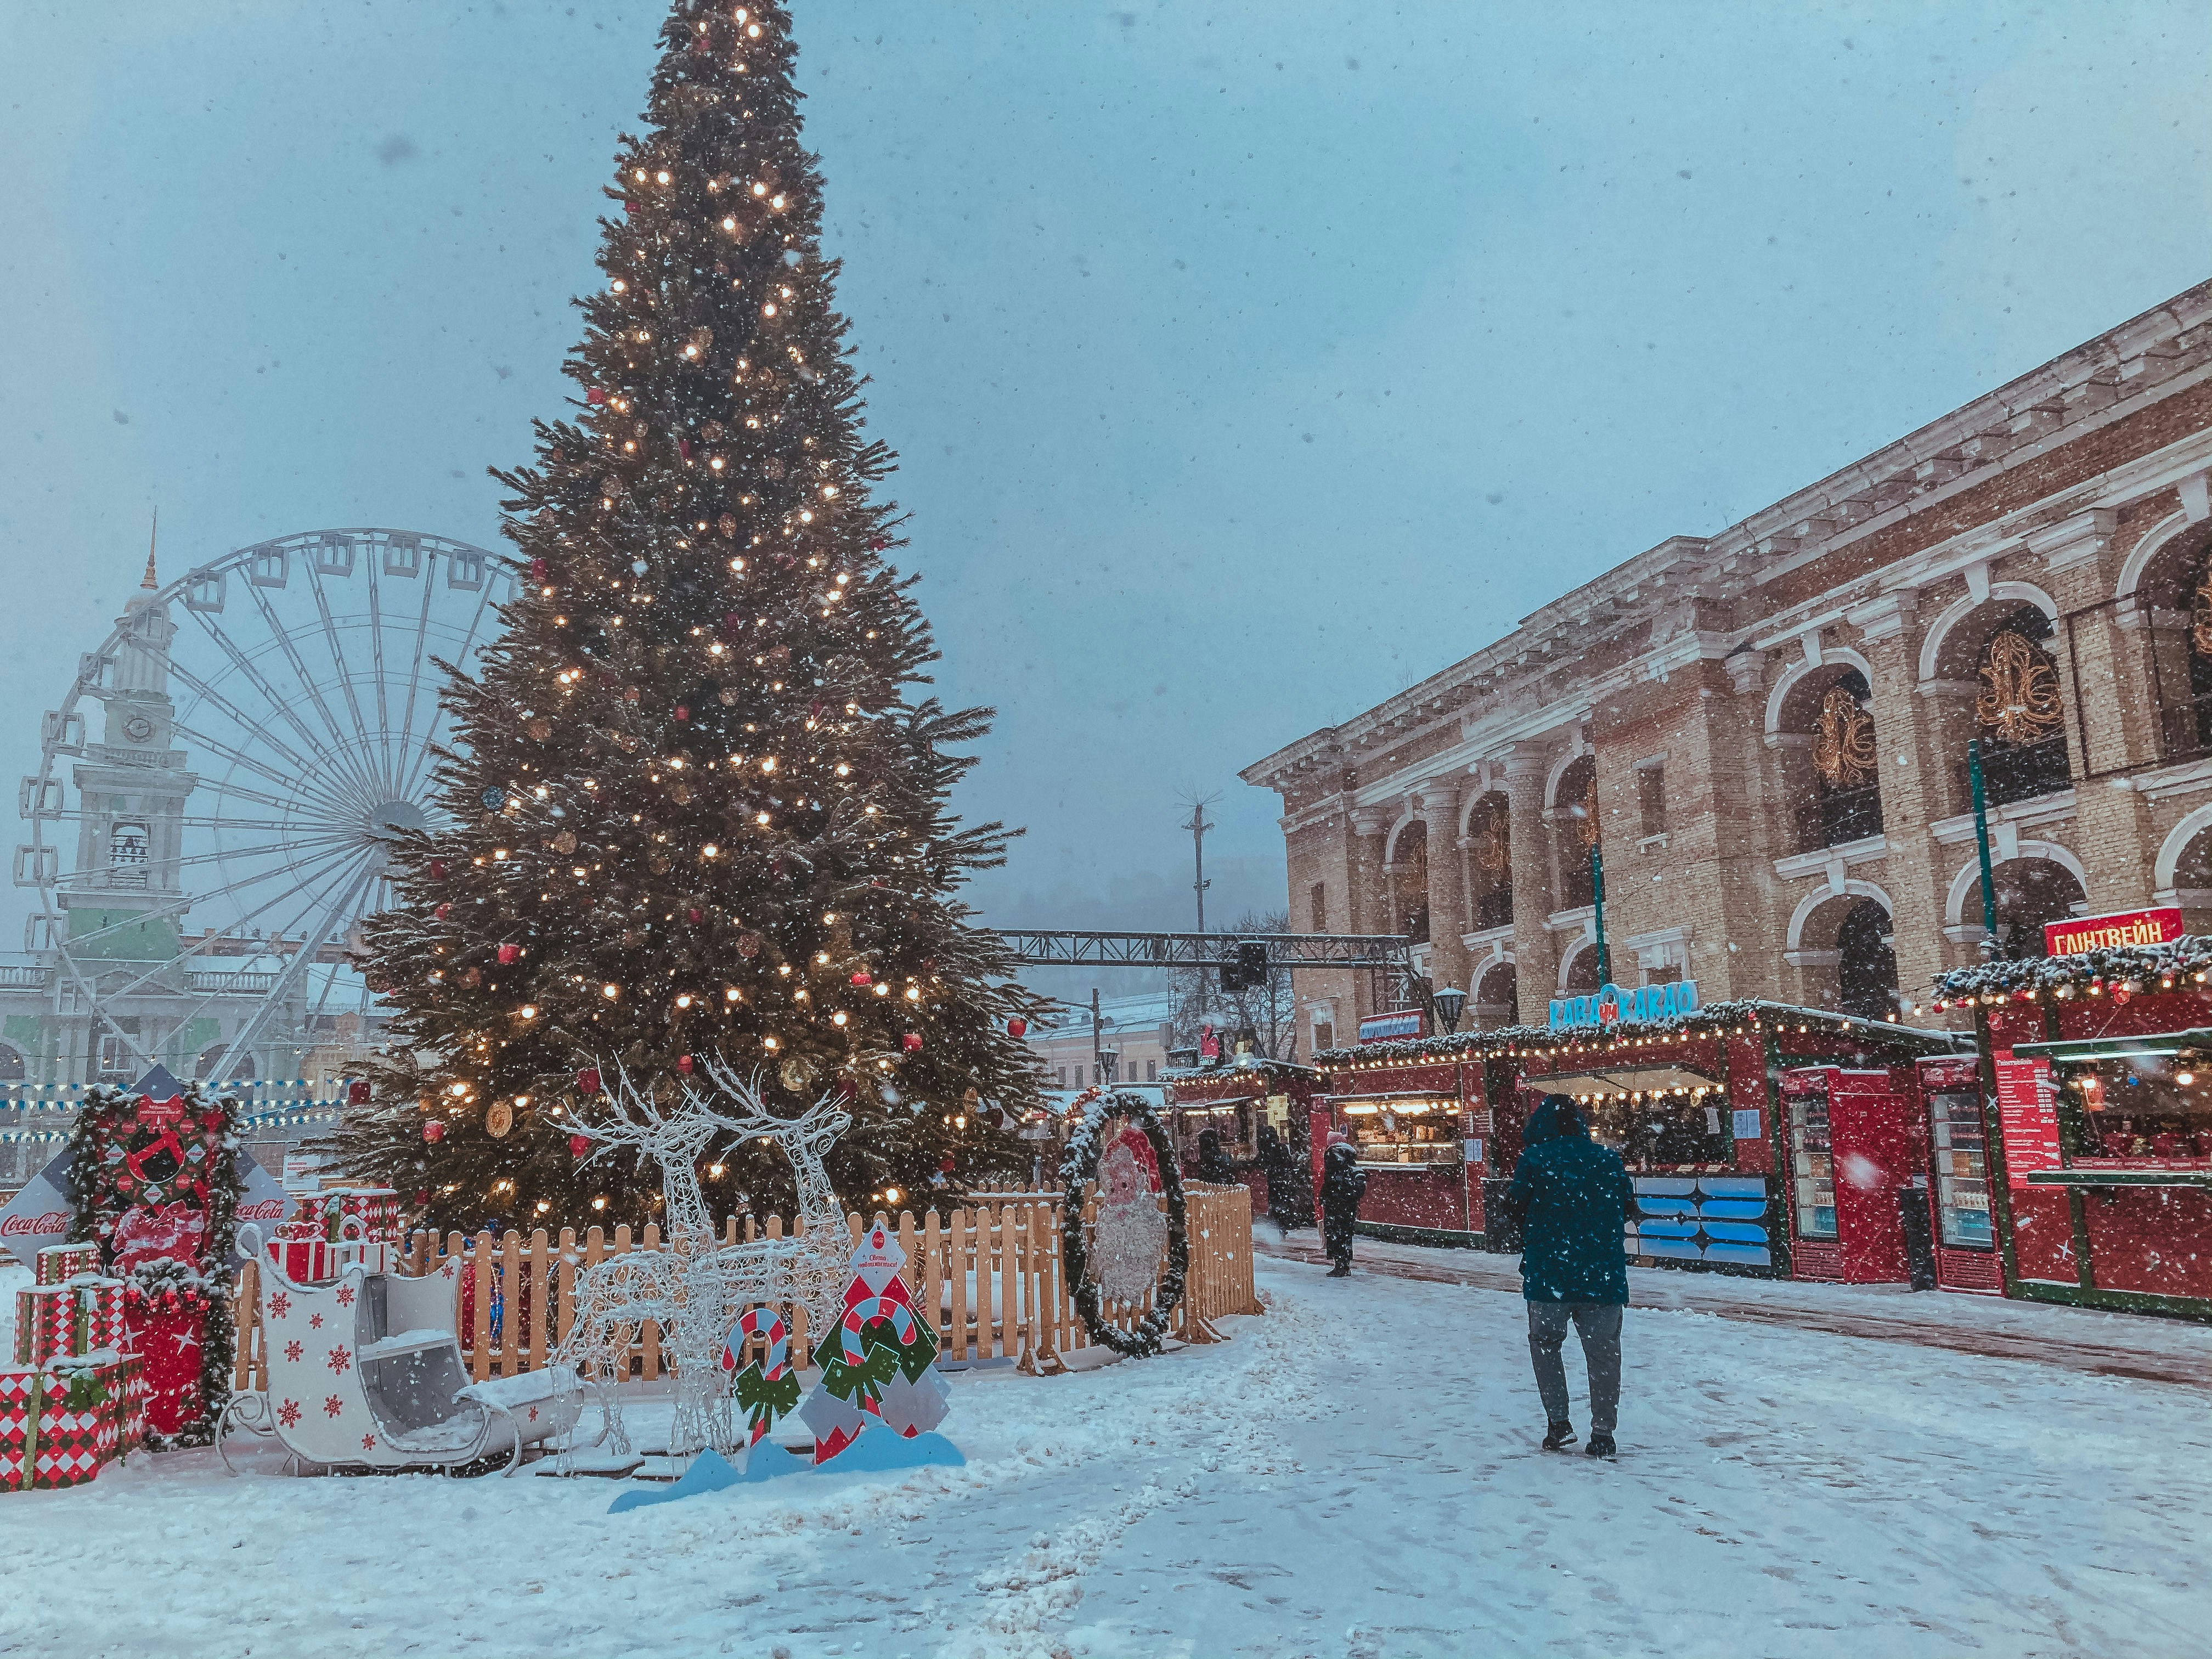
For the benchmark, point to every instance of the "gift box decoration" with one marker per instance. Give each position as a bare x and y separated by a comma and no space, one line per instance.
60,1424
375,1208
45,1322
312,1259
99,1314
57,1264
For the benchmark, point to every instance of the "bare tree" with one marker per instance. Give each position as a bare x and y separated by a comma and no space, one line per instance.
1266,1012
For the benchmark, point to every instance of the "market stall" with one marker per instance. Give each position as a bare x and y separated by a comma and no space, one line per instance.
1226,1108
1693,1103
2099,1068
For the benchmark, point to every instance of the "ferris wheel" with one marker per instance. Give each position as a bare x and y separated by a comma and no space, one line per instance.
218,784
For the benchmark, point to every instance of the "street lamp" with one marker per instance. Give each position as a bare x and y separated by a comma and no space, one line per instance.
1449,1003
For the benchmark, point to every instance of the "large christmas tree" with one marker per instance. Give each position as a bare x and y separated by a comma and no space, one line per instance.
698,803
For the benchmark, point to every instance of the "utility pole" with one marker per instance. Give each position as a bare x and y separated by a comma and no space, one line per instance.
1198,826
1097,1044
1597,914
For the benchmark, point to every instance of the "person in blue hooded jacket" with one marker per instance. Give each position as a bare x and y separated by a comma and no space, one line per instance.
1572,1197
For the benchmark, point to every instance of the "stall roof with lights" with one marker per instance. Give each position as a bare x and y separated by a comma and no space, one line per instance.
2197,1040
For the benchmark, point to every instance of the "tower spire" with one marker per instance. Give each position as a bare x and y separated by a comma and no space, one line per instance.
152,583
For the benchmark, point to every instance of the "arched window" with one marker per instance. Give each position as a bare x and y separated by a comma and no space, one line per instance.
126,855
1845,793
2030,891
1866,965
1490,862
2018,715
1496,996
1409,882
1574,814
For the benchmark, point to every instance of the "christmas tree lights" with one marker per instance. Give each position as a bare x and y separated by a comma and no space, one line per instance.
701,808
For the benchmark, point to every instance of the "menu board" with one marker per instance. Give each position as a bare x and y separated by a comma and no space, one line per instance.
2028,1112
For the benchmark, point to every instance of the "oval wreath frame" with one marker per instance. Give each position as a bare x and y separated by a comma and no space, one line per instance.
1078,1167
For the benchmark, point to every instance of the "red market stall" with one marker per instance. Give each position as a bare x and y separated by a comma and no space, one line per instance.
1233,1101
1692,1102
2098,1073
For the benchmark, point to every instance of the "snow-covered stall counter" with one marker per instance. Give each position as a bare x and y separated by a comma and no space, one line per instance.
1234,1104
2098,1073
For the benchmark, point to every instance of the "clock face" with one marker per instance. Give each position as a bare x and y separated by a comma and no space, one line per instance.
137,728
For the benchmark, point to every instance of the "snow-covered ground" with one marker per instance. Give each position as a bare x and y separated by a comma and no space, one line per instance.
1355,1475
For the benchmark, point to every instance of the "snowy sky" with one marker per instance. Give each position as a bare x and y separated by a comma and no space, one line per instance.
1249,363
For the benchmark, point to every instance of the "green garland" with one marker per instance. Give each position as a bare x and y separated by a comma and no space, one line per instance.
106,1135
1078,1167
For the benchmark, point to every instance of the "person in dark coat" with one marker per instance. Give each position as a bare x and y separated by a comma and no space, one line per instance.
1343,1183
1285,1187
1572,1197
1213,1164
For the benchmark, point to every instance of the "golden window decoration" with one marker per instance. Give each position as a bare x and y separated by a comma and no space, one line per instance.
2200,617
1842,741
2019,690
1586,826
1493,843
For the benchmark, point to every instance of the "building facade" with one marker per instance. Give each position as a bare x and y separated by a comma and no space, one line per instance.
1764,733
1136,1033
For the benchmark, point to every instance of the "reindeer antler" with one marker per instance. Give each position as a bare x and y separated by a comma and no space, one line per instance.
636,1119
755,1118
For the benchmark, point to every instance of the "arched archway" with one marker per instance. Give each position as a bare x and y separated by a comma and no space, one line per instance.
2043,885
1824,734
1408,868
1497,994
1866,965
1490,861
2171,588
1578,971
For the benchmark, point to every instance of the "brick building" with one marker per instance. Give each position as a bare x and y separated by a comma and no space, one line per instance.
1766,729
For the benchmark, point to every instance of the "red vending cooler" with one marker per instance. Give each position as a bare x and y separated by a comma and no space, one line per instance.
1853,1140
1958,1145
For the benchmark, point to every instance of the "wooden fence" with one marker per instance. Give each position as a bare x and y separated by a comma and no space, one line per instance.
987,1278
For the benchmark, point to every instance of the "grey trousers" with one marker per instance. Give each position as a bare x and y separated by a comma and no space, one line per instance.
1598,1324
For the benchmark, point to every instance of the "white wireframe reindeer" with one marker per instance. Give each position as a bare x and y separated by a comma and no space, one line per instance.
692,1288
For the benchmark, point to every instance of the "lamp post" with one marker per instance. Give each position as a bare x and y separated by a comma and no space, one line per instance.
1597,915
1991,945
1449,1003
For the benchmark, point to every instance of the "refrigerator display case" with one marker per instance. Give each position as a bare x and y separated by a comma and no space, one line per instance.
1854,1140
1958,1155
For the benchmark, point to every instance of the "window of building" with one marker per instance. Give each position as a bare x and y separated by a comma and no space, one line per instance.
1318,905
1151,1071
116,1059
126,855
1651,797
1324,1035
1079,1076
1063,1077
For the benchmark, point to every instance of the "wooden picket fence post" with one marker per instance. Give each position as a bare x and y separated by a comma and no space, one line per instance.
987,1279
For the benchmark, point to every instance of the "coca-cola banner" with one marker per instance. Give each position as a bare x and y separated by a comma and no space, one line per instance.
40,1214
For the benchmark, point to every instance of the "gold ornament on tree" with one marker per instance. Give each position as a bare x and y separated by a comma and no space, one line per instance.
498,1118
2019,690
1842,741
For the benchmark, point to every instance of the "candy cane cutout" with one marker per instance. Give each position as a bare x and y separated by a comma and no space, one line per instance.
765,1324
867,1313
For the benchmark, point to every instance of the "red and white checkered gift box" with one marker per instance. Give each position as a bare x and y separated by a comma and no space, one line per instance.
302,1255
60,1424
57,1264
45,1322
376,1207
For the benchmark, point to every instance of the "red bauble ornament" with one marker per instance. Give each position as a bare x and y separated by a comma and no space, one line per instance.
1018,1028
587,1081
945,1163
422,1197
442,911
682,713
579,1145
683,1064
596,395
357,1094
911,1042
877,544
694,916
434,1132
437,869
507,953
731,621
683,447
537,570
860,978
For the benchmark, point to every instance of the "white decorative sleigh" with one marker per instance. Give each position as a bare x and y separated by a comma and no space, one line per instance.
365,1372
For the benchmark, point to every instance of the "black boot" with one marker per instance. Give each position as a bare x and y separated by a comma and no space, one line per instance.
1601,1445
1559,1435
1342,1270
